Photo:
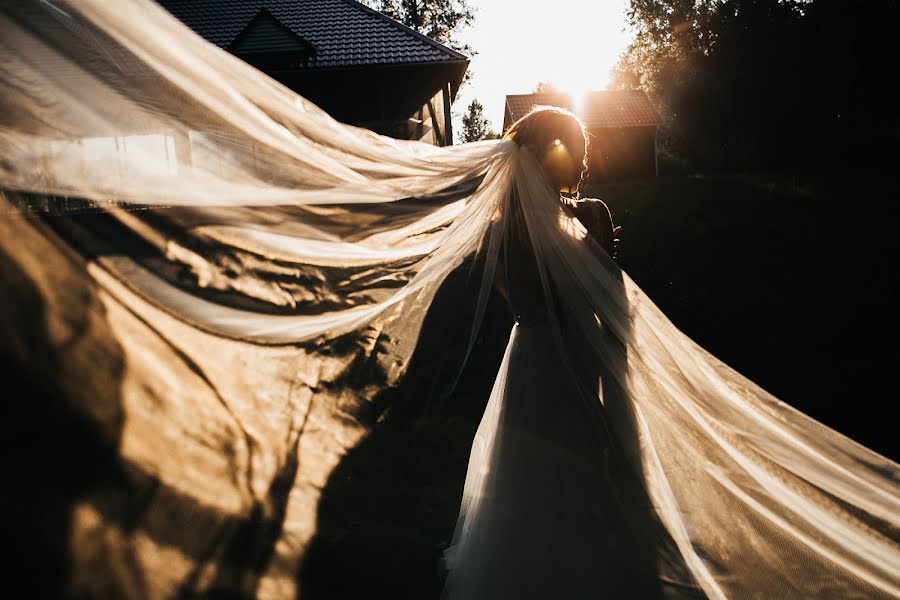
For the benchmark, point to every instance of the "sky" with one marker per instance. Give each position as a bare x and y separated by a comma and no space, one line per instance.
572,43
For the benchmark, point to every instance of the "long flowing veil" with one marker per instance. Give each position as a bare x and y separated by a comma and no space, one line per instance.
293,249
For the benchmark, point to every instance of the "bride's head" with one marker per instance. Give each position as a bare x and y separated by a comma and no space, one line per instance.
559,140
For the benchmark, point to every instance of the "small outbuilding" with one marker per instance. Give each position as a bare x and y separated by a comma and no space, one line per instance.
622,127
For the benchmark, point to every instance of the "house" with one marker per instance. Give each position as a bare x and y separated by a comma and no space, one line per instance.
622,128
360,66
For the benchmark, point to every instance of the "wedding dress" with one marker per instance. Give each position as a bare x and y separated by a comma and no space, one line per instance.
550,509
615,457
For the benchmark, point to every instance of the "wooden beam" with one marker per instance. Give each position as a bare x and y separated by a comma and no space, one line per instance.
655,152
448,119
382,129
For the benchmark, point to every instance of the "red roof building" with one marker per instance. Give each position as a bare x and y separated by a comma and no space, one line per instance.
622,128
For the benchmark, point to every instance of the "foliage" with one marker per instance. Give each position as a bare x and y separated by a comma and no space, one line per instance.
546,87
744,84
475,125
441,20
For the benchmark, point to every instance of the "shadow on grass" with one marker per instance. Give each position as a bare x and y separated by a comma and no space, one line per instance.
390,506
53,453
61,424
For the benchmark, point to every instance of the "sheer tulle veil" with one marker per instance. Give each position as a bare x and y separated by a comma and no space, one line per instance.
285,228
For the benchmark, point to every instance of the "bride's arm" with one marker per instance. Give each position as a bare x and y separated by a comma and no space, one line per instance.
594,214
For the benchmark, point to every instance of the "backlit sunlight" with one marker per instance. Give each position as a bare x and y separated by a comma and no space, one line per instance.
572,44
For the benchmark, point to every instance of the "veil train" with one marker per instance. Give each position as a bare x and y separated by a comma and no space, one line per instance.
251,253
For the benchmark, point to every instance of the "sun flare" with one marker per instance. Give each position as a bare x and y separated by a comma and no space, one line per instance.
571,44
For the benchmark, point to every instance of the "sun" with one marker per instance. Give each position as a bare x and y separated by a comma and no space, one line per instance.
576,85
572,43
580,87
576,91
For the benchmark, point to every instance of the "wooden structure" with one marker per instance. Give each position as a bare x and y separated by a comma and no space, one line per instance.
622,126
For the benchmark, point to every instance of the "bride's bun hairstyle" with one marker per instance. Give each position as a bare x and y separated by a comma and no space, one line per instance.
559,140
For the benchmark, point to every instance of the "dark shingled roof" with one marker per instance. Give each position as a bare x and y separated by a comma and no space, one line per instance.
342,33
626,108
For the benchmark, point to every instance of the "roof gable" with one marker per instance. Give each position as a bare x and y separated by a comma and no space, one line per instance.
615,108
343,32
265,33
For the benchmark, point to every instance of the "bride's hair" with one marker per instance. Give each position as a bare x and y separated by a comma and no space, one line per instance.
545,128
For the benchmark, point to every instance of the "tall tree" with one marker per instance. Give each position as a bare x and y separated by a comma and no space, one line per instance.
743,84
475,125
441,20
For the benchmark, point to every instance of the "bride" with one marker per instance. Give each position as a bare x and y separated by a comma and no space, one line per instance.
231,331
551,508
556,501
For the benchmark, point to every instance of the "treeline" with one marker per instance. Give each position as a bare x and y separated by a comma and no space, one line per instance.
768,84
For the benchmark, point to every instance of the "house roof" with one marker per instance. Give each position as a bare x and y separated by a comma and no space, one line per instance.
264,33
341,33
619,108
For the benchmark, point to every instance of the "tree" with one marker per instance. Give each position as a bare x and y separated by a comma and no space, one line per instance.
546,87
475,125
441,20
747,84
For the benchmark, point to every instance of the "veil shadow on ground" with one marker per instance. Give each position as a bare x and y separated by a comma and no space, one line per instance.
389,508
59,445
53,452
62,424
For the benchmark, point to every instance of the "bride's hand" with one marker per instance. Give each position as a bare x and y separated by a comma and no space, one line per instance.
613,250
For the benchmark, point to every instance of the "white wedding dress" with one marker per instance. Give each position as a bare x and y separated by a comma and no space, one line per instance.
616,457
547,513
551,506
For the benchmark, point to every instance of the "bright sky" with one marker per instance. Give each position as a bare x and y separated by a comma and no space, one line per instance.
572,43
